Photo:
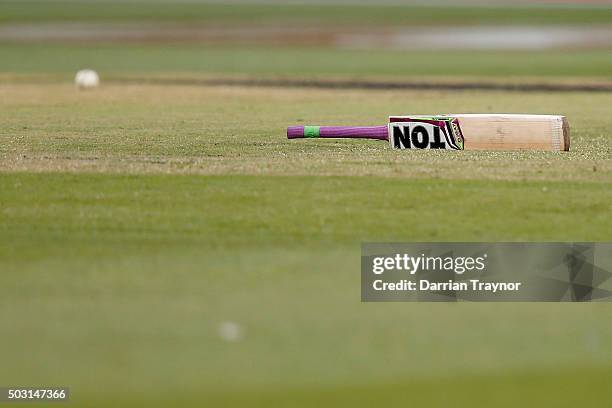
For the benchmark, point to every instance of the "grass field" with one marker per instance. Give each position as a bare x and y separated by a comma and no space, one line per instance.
137,217
117,60
122,280
110,264
186,11
227,130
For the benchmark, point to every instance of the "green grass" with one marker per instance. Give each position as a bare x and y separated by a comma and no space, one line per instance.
142,60
228,130
134,219
115,274
122,280
498,390
37,11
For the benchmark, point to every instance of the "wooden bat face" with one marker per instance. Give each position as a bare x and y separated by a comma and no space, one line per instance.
480,132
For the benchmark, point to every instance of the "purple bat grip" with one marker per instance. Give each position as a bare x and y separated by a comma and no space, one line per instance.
353,132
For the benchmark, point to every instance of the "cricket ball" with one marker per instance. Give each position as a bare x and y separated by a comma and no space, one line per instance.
87,78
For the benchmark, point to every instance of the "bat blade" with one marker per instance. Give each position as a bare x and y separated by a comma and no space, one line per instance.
482,132
456,132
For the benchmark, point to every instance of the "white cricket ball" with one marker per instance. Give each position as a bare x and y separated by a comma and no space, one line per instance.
87,78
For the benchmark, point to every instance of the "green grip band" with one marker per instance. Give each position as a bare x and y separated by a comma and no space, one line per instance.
311,131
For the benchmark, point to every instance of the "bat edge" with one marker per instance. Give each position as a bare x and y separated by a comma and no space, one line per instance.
566,134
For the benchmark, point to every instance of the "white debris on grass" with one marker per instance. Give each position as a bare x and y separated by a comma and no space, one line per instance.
230,331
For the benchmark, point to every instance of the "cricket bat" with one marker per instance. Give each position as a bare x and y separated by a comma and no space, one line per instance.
456,132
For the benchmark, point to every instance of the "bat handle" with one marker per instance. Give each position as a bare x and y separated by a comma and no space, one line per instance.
351,132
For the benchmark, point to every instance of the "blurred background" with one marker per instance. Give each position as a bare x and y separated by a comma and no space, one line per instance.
403,38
